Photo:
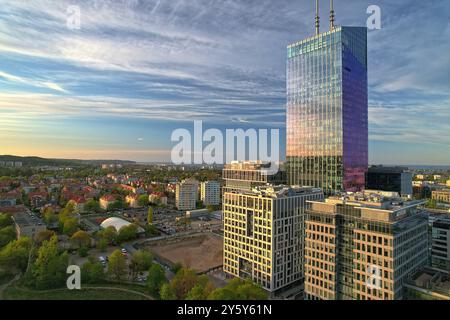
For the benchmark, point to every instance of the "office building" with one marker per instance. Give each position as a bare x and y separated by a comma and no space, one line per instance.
363,247
245,175
396,179
327,109
440,243
442,196
263,236
186,194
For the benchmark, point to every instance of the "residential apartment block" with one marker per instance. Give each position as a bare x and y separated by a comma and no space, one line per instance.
363,247
210,193
186,194
264,233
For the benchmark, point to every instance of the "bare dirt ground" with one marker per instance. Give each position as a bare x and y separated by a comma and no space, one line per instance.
201,252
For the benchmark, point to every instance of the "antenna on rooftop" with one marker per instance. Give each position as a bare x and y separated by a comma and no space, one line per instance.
317,18
331,15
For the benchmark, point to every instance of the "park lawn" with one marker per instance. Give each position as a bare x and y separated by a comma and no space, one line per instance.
20,293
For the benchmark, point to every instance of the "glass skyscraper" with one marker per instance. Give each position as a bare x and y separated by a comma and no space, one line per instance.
327,110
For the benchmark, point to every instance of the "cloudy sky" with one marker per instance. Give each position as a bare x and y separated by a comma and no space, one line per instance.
137,70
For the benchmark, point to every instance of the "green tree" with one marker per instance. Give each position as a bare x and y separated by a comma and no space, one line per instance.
14,257
80,239
143,200
156,279
86,272
83,251
140,261
150,216
151,231
5,220
92,206
201,290
117,265
70,226
176,267
92,272
102,244
71,206
97,273
44,235
167,292
109,234
183,282
49,216
7,234
249,291
238,289
49,269
222,294
127,233
68,222
117,205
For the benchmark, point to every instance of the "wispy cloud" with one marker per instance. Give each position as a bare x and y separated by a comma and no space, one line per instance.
218,61
34,83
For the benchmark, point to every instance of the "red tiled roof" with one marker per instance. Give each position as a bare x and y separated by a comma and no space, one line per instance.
109,198
5,184
159,194
40,194
79,199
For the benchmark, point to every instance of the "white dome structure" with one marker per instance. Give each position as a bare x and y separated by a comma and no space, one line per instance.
117,223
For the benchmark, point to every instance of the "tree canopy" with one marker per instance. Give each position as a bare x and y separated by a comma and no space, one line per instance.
127,233
80,239
49,269
140,261
156,279
238,289
14,256
187,285
117,265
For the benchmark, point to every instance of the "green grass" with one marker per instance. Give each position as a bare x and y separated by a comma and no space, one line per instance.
20,293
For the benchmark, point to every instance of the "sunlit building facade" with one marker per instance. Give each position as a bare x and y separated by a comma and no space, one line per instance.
264,236
363,247
245,175
210,193
186,194
327,110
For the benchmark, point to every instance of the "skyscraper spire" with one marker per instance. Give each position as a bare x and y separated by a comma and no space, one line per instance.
317,18
331,15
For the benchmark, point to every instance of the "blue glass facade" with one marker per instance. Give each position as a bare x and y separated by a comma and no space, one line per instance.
327,110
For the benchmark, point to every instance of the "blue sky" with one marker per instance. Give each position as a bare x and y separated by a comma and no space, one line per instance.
136,70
